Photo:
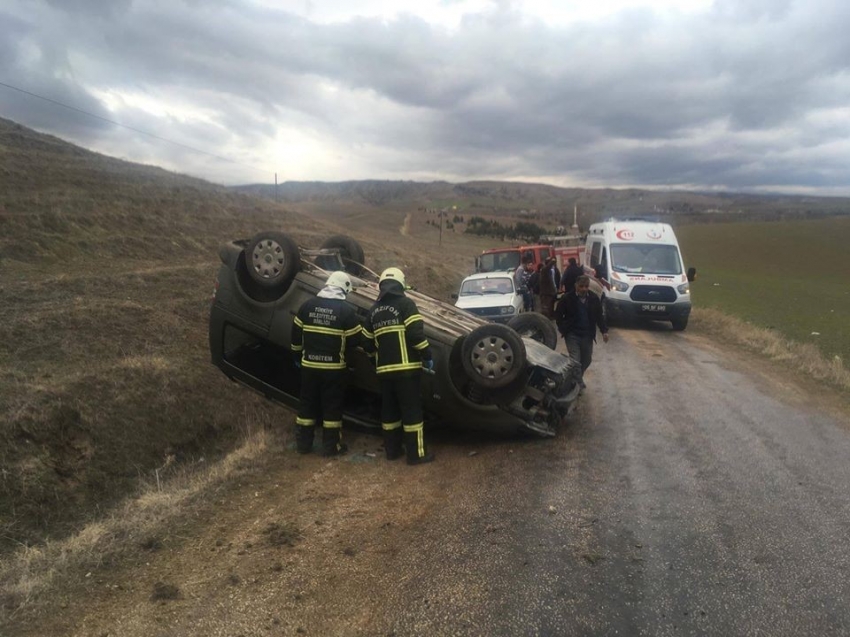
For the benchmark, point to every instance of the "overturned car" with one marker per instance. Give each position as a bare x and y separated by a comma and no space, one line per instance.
487,376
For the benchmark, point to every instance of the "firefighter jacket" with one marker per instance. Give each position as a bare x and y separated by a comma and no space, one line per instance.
395,333
323,330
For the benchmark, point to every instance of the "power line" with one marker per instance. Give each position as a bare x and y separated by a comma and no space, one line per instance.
137,130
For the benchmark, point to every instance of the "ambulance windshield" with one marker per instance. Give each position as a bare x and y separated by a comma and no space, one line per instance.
646,258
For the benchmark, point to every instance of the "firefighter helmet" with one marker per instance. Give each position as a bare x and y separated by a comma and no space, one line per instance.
341,280
393,274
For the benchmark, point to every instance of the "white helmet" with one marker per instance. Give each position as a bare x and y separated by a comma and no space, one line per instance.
393,274
339,279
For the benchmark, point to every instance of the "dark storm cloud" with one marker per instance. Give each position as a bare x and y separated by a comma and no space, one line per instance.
725,98
43,70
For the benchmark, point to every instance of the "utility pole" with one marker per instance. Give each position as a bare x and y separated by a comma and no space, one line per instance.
275,187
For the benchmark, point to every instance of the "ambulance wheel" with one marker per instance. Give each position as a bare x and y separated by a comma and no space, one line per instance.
493,356
679,324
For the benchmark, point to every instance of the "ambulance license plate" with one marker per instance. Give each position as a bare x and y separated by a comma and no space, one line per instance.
653,308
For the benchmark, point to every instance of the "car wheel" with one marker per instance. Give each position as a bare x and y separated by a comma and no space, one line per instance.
272,260
535,326
350,251
493,356
679,324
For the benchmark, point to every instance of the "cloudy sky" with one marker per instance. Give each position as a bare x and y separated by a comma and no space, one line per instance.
749,95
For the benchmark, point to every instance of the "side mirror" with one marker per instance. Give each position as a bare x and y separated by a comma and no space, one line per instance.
692,274
454,297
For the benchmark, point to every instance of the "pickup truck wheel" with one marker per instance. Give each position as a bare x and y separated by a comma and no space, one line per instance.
535,326
272,260
493,356
350,251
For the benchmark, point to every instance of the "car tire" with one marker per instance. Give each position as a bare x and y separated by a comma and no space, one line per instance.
493,356
272,260
535,326
350,251
679,324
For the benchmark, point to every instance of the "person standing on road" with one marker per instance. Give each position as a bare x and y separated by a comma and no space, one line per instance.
578,315
548,288
573,271
396,337
521,276
324,330
533,284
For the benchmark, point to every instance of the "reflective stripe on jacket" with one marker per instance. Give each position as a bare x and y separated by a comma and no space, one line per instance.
323,330
396,330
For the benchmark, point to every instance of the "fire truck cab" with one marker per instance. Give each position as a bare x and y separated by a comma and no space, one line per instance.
508,259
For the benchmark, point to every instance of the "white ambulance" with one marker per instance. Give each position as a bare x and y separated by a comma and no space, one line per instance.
642,262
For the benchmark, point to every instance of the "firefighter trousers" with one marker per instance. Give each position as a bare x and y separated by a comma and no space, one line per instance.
322,397
402,420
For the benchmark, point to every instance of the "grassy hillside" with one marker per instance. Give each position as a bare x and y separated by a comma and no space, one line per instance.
789,276
106,270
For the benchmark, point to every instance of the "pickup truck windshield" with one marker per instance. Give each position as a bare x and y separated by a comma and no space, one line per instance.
636,258
473,287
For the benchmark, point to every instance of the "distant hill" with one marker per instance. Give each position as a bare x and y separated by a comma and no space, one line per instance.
550,203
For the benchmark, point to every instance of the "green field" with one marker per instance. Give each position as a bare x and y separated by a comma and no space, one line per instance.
792,276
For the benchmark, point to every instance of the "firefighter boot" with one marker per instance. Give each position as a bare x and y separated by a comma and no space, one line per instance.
332,444
414,442
393,443
303,438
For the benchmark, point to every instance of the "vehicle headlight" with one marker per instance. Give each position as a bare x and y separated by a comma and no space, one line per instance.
508,309
685,288
619,286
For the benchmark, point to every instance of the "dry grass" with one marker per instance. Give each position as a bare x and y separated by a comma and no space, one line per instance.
802,359
107,270
104,364
136,524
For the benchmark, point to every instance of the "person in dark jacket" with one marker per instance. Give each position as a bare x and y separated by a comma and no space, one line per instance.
534,286
395,333
573,271
548,288
533,282
323,331
578,315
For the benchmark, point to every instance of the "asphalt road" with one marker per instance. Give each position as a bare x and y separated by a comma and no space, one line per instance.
689,496
692,493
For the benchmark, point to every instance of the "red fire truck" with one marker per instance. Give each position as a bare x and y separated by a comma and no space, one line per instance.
509,258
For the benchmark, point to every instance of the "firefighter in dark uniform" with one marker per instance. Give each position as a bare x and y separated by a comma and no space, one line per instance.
395,334
325,328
